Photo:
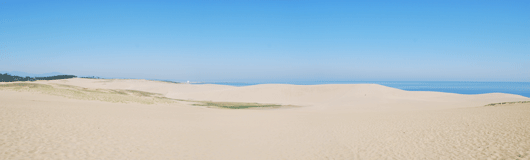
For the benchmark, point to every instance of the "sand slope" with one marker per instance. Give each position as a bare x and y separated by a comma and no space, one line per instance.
338,97
335,122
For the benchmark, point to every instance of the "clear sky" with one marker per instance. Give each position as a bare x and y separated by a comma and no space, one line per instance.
276,40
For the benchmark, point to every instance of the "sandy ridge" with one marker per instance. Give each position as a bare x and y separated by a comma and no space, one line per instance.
338,122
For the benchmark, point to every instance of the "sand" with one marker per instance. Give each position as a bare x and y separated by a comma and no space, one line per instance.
358,121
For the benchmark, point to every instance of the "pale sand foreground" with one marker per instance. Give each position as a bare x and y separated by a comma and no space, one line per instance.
332,122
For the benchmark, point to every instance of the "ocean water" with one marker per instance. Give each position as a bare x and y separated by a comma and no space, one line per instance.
519,88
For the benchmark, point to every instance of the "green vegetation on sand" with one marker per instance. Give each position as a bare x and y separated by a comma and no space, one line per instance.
494,104
75,92
122,96
236,105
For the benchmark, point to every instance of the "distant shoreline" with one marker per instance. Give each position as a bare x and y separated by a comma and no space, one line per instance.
470,88
459,87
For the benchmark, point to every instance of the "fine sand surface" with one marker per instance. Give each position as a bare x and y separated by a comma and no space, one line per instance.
112,119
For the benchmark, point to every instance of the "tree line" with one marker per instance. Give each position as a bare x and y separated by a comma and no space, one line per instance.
9,78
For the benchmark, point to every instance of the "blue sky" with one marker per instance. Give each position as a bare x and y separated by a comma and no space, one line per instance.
269,40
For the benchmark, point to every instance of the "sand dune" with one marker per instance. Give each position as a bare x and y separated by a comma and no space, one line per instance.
361,121
356,97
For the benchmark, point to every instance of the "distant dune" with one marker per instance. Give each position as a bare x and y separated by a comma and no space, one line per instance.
355,97
141,119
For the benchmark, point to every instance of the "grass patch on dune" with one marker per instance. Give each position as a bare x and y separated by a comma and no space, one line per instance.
24,85
140,93
122,96
502,103
235,105
75,92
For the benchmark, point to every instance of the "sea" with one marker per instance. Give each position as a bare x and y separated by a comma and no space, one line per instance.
518,88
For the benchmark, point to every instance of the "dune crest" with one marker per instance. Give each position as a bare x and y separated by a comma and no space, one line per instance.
357,97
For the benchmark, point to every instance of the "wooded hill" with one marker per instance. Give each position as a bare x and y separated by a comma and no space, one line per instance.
9,78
